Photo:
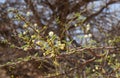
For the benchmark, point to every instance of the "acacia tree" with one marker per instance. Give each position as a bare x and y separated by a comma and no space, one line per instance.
82,35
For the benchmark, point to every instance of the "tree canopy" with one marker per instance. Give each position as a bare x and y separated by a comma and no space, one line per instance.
60,38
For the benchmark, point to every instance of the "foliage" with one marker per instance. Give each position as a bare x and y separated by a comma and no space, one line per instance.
49,49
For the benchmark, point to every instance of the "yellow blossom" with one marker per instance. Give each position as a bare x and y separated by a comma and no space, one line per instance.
24,32
109,41
88,27
113,55
33,36
89,35
25,25
58,42
38,42
52,55
96,67
93,70
35,25
28,13
51,33
33,41
25,49
37,31
86,36
75,25
62,46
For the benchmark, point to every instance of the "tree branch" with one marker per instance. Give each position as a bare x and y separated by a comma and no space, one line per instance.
35,13
97,13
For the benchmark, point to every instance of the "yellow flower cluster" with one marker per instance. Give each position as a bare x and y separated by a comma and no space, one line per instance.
59,45
88,35
88,27
38,42
62,46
